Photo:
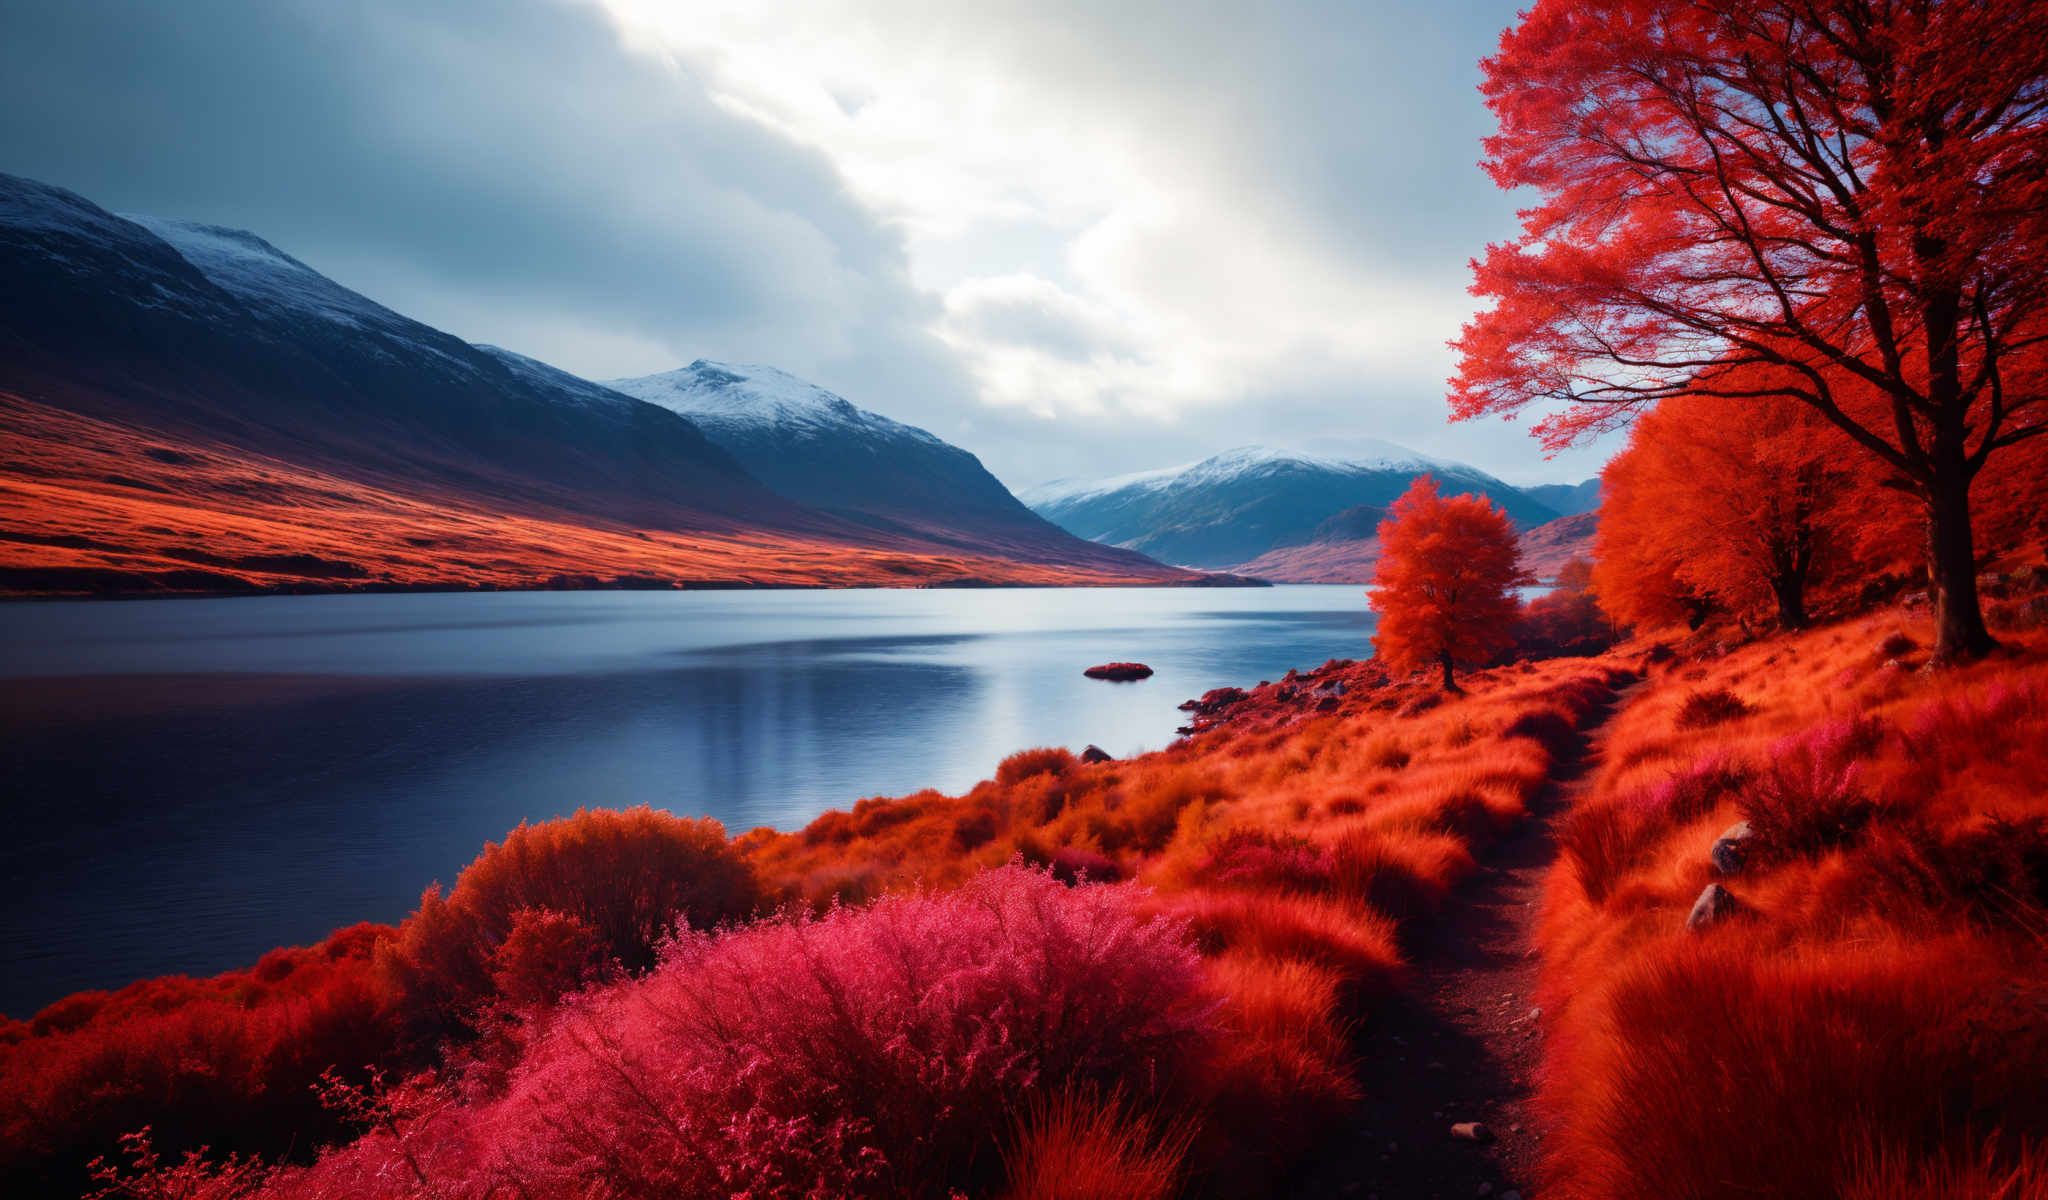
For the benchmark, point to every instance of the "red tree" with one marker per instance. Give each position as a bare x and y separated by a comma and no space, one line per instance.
1443,586
1849,194
1744,503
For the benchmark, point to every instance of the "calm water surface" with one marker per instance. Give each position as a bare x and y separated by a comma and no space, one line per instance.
188,783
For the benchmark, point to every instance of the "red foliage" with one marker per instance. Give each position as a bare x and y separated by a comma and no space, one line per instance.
1078,1143
231,1062
626,878
1838,204
1744,504
859,1053
226,1062
1875,1028
1443,586
1568,620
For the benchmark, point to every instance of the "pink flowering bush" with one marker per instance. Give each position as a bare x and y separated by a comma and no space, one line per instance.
870,1051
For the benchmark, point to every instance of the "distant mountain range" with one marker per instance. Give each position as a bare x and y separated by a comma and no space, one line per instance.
1569,499
1281,515
185,407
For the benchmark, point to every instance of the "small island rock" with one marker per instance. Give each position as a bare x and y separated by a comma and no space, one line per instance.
1120,672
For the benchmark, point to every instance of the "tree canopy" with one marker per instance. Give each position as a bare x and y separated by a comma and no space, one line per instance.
1843,203
1444,584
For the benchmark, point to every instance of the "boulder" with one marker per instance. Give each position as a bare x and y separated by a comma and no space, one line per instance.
1716,904
1096,754
1120,672
1731,849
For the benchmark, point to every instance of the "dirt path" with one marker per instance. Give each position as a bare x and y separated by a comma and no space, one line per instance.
1458,1043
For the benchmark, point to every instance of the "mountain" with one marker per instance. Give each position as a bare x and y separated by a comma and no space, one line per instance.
1568,499
1548,547
185,407
1344,548
818,449
1231,510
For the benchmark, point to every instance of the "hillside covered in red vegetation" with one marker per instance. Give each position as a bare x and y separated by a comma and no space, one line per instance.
96,506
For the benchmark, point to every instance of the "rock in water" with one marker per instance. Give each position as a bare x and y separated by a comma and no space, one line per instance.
1715,904
1120,672
1096,754
1731,848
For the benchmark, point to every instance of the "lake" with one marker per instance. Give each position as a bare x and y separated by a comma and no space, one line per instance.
191,782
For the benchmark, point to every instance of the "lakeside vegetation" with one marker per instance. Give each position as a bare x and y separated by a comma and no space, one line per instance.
1793,939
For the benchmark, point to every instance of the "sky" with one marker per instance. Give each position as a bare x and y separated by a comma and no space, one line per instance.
1075,238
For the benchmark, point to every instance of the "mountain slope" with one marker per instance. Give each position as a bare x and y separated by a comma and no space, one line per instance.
186,407
816,448
1548,547
1568,499
1229,510
1343,549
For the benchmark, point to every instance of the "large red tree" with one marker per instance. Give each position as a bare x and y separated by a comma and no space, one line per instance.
1444,583
1846,194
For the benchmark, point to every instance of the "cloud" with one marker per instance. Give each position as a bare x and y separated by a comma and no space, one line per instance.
505,170
1072,237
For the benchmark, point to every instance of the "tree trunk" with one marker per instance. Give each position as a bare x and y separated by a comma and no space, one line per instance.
1790,590
1443,659
1959,632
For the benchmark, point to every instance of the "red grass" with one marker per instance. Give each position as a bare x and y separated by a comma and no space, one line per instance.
1877,1028
1079,1145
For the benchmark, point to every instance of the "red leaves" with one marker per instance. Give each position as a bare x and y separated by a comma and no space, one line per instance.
1847,195
1443,584
1740,505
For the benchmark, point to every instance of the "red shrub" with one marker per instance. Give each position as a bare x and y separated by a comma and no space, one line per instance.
546,954
866,1052
1808,798
1254,858
630,876
1049,760
1716,706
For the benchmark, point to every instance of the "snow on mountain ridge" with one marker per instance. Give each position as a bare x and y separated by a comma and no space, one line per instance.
1238,462
534,371
264,277
752,395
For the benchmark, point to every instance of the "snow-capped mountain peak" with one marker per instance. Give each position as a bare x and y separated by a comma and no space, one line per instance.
1339,456
1232,507
750,395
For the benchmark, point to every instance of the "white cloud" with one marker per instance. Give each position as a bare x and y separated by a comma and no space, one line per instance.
1186,278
